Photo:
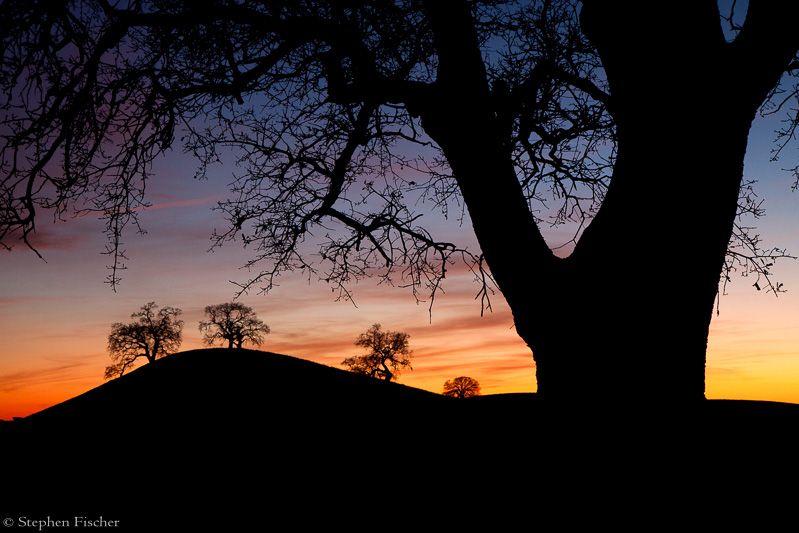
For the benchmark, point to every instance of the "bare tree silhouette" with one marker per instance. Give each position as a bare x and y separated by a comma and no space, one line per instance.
388,354
625,119
153,335
234,323
462,387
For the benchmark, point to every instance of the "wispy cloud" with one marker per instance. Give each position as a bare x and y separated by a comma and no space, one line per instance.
52,238
184,203
42,376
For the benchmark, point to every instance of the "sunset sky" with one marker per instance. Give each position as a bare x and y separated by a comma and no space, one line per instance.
56,313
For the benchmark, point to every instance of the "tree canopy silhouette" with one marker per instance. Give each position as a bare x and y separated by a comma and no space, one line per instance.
153,335
234,323
388,354
462,387
627,120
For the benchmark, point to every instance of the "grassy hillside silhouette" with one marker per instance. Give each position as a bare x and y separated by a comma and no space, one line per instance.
222,386
199,433
235,436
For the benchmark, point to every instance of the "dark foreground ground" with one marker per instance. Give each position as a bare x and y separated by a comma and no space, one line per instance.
223,440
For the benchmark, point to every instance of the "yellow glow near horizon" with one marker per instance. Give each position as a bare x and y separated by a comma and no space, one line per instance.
55,316
749,357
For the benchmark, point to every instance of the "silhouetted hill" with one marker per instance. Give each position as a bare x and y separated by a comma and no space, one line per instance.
218,386
246,439
207,431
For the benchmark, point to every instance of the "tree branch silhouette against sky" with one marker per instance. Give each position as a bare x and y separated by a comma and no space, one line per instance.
565,155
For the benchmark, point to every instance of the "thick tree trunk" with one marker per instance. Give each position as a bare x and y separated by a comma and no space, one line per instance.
627,315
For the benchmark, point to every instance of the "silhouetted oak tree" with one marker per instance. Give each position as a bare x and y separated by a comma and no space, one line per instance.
234,323
462,387
388,354
629,119
153,335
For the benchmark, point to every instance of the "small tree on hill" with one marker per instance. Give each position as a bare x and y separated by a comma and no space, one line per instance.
234,323
153,335
462,387
388,354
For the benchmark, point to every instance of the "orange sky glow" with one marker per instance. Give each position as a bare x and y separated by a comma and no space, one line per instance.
55,316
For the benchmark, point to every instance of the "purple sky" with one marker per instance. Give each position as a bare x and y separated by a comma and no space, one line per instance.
56,315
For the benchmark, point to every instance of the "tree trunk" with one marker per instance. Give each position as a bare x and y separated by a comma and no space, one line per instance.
631,309
152,354
627,315
387,374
